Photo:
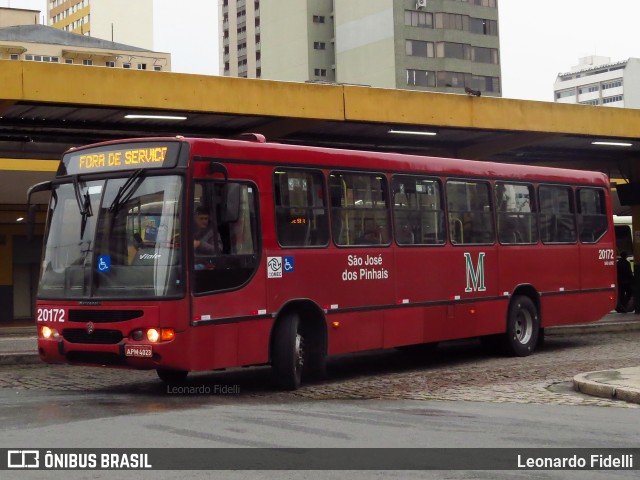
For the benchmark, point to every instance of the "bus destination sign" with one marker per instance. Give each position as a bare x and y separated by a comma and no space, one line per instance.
121,157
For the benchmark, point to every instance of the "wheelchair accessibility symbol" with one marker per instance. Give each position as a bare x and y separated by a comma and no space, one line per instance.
288,264
104,263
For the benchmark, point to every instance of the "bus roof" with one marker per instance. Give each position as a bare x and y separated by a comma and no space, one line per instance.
282,154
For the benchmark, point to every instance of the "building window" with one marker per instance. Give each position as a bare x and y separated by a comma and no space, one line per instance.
157,68
421,78
484,55
320,72
613,84
142,66
615,98
461,80
110,64
451,21
482,3
41,58
418,19
87,61
15,56
482,26
126,65
565,94
453,50
319,45
418,48
590,102
68,61
318,19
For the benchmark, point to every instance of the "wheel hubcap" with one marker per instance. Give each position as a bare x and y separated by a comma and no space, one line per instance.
299,351
524,327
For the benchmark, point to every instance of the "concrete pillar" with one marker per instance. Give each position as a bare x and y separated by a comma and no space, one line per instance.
6,278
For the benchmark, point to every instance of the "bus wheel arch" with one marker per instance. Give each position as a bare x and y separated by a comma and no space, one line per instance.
523,322
298,343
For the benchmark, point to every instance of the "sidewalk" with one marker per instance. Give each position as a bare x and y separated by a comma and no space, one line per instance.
18,346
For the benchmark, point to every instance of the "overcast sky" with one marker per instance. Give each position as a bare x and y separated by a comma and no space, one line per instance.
538,39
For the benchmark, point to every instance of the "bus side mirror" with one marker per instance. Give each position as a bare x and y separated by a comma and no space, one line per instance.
31,221
32,209
231,206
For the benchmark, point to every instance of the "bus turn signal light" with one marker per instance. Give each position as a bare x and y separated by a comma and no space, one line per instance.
155,335
48,332
167,334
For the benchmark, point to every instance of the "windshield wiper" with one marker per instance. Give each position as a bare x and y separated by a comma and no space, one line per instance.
84,205
126,191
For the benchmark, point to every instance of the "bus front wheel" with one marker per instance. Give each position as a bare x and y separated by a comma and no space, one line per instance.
523,327
287,357
172,376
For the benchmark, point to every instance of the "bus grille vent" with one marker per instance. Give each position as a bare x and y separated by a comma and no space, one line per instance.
95,358
80,335
103,316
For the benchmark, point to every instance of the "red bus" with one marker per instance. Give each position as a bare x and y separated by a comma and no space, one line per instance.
312,252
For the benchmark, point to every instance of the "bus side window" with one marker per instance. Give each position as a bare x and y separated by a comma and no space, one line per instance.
237,260
359,209
592,214
418,212
470,215
516,217
302,218
557,219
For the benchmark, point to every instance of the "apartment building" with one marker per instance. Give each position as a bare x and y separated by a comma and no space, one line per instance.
599,81
440,45
22,39
18,16
122,21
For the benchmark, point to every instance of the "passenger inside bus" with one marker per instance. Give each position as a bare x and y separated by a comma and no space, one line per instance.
206,240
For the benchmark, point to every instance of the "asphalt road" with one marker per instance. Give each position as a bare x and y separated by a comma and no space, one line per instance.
461,396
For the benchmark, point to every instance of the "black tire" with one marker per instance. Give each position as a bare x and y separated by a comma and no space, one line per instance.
287,356
523,327
315,366
172,376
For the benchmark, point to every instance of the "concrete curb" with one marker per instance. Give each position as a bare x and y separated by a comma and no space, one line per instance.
593,328
583,384
19,358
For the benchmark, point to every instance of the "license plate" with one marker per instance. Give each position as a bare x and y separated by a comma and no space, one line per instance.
138,351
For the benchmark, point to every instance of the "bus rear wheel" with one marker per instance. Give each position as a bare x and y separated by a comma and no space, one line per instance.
172,376
523,327
287,358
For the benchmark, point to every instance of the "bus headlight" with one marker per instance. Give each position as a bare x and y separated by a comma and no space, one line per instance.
48,332
155,335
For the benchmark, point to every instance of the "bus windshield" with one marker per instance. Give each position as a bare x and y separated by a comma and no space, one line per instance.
114,238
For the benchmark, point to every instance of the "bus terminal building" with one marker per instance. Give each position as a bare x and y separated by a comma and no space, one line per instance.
47,108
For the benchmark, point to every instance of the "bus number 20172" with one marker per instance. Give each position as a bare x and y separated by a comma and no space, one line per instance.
50,315
607,254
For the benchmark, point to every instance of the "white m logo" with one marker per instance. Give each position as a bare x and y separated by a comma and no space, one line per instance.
475,276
